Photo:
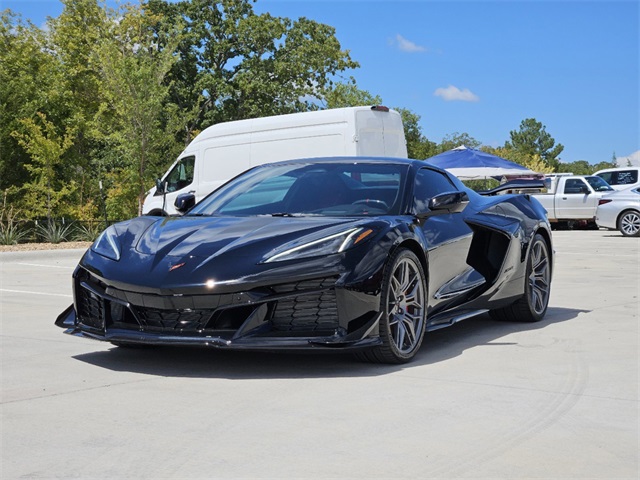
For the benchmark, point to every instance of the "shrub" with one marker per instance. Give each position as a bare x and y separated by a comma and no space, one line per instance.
88,232
11,233
52,233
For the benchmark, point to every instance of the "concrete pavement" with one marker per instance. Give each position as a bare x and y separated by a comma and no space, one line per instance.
483,399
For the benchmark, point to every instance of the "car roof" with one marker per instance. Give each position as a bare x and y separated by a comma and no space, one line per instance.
352,159
617,169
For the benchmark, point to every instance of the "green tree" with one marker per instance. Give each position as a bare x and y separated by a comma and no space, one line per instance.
532,162
418,146
579,167
582,167
46,147
48,71
132,73
533,139
77,94
603,165
27,73
74,37
455,140
234,64
347,94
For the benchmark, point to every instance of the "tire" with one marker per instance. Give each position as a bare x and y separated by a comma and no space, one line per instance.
629,223
403,306
532,306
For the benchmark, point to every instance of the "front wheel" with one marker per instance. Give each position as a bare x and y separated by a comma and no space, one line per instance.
629,224
404,312
532,306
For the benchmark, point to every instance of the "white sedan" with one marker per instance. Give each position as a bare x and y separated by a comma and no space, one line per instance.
620,211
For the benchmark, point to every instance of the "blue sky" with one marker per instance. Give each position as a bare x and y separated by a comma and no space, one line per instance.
482,67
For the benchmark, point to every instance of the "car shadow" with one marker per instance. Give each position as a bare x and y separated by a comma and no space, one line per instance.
196,362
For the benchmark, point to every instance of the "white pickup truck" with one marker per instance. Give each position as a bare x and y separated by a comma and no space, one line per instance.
573,198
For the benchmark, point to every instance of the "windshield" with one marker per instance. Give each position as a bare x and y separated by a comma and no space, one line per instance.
598,184
328,189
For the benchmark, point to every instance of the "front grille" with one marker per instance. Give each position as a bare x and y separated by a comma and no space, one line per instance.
91,309
315,312
303,307
314,284
165,320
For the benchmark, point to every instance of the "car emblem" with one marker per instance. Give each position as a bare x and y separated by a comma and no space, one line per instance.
176,266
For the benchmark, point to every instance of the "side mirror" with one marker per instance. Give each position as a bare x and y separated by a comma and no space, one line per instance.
159,187
450,202
584,189
184,202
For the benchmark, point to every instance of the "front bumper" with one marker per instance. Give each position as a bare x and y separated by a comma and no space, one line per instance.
310,313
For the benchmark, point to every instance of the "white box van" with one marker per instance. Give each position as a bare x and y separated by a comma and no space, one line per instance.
620,178
222,151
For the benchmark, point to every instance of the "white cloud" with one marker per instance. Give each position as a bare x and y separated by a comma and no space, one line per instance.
634,159
452,93
407,45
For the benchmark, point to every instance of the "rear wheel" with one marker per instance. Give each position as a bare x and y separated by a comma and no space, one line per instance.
629,223
532,306
403,305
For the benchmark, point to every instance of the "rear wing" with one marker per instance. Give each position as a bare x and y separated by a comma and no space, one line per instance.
516,186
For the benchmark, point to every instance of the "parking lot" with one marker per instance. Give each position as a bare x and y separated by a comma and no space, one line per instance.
483,399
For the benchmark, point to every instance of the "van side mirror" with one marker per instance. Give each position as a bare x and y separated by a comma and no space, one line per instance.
184,202
159,187
450,202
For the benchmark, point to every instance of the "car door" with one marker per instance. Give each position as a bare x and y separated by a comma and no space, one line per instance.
576,200
448,240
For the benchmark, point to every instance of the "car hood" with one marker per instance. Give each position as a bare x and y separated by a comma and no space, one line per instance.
208,237
176,254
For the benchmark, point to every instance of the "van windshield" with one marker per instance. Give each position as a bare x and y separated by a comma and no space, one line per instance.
181,175
326,189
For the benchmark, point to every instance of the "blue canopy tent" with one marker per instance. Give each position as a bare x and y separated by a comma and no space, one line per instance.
470,164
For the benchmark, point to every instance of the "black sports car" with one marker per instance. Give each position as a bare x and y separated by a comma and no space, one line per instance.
338,253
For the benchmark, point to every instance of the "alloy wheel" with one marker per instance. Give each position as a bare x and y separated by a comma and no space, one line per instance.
540,277
405,305
630,224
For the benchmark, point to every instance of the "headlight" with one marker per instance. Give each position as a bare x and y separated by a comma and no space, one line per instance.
107,244
335,243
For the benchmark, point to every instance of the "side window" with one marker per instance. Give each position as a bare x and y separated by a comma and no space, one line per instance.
625,177
574,185
181,175
430,183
